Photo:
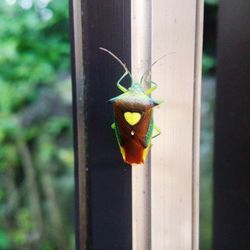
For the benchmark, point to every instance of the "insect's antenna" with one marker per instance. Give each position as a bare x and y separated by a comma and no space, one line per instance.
118,59
149,69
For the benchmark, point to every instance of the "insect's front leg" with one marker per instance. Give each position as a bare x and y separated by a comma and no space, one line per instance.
150,90
157,130
119,86
148,81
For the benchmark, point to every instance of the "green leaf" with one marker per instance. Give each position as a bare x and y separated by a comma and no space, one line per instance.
4,240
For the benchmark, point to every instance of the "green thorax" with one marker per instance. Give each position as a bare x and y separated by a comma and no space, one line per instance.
135,94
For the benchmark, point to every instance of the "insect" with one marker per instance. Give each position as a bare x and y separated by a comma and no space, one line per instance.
133,116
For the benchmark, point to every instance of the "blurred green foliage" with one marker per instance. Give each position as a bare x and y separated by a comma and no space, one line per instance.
207,123
212,2
209,39
36,158
208,63
206,156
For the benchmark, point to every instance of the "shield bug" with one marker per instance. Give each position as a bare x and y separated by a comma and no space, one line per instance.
133,116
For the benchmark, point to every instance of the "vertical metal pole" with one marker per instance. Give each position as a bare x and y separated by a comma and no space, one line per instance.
232,129
98,161
78,122
196,123
177,33
141,176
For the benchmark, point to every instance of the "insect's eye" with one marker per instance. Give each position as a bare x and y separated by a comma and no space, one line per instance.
132,118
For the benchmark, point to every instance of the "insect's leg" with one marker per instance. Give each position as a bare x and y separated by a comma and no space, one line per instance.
119,86
113,125
147,80
150,90
157,130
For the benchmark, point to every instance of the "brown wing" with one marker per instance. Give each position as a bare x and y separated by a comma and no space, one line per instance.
138,132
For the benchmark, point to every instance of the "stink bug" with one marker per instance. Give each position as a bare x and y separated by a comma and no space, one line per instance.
133,116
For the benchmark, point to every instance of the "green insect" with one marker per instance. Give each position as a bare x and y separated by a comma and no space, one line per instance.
133,116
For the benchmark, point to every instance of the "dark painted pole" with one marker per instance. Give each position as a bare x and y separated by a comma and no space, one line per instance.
232,129
102,179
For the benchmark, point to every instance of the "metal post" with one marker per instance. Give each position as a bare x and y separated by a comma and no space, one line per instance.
232,129
141,176
98,160
78,123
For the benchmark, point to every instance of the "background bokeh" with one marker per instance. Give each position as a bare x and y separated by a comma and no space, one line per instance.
207,123
36,155
36,147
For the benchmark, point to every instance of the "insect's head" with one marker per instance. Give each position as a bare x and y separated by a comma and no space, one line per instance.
136,88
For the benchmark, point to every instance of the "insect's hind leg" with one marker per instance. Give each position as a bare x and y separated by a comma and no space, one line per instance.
157,130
